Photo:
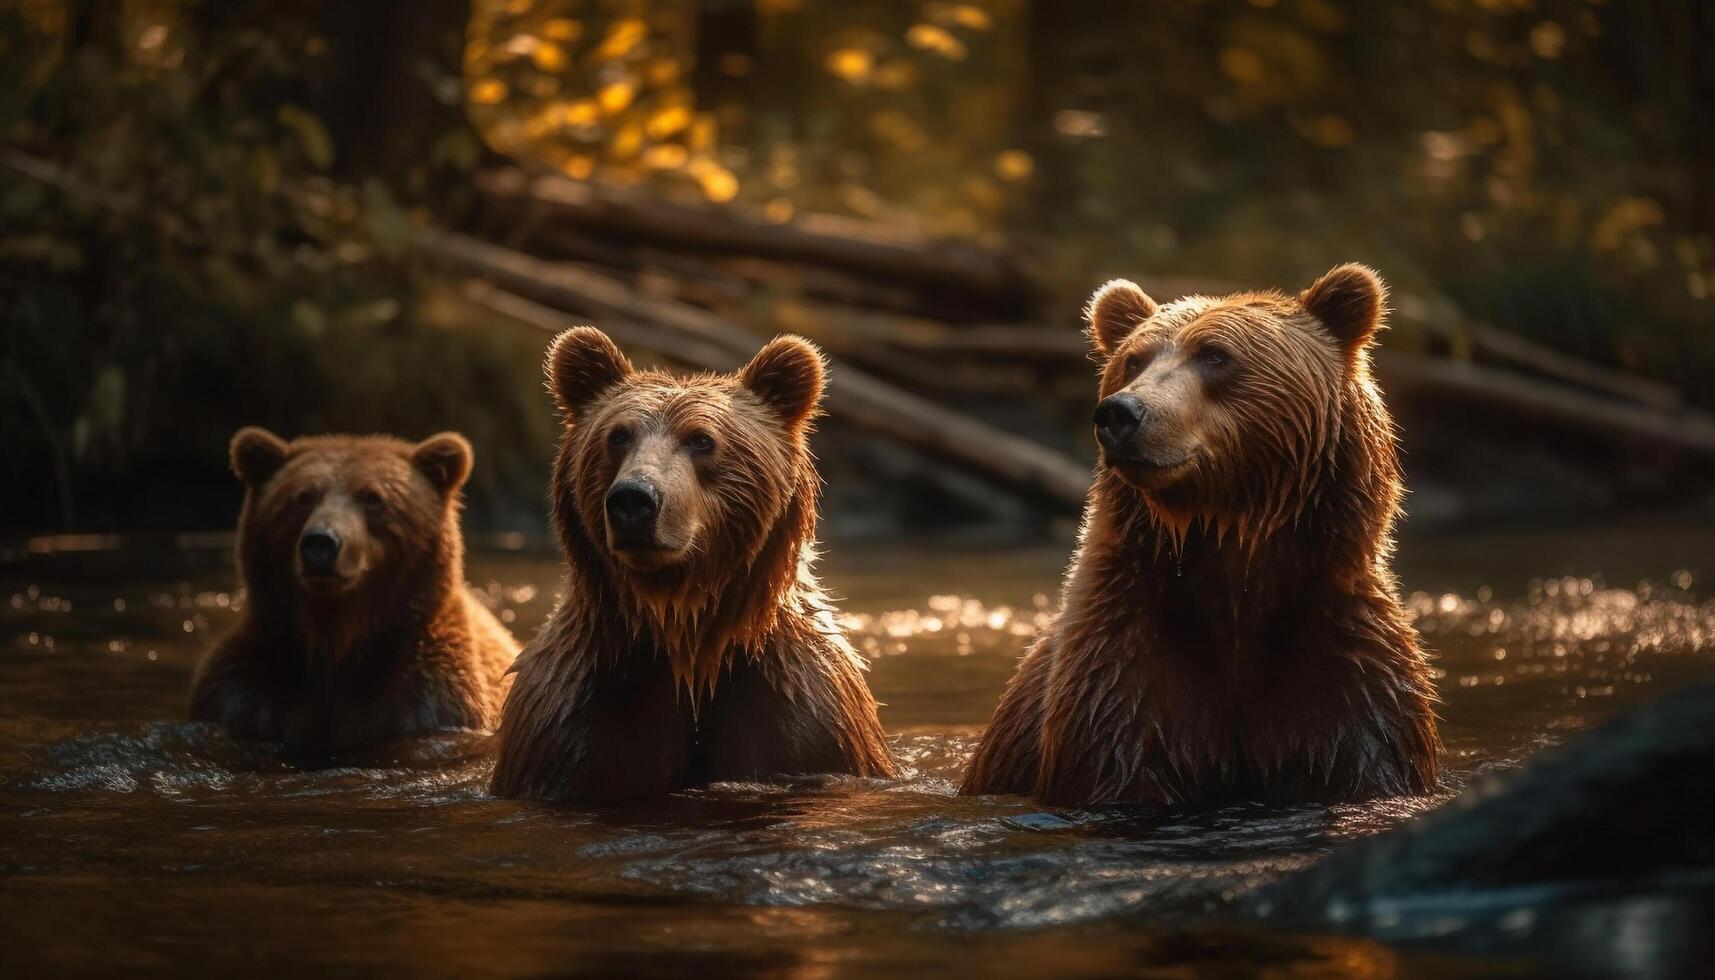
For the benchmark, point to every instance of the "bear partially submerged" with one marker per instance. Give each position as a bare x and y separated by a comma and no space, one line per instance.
357,624
1230,628
692,643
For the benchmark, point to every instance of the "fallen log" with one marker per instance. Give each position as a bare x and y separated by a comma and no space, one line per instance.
853,396
1512,349
976,492
1405,375
895,254
874,404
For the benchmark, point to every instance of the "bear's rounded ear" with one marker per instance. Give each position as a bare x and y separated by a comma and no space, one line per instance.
1350,300
788,375
445,458
257,454
582,363
1115,311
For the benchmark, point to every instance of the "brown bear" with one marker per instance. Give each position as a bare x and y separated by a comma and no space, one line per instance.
692,643
357,624
1230,628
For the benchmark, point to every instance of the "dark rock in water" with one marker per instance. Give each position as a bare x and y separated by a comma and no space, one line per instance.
1628,808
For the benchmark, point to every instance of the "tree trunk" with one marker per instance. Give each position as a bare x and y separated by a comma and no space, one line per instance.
392,94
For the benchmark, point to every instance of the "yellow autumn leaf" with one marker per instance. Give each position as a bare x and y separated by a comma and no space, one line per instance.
548,56
616,96
665,156
562,29
703,133
663,71
937,40
718,183
621,38
1014,165
488,91
850,64
578,167
626,142
971,16
669,121
583,112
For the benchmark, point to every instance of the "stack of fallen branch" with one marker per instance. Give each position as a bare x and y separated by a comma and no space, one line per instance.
916,326
913,321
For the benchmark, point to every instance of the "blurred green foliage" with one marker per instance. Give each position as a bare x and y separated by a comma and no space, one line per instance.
1539,163
208,274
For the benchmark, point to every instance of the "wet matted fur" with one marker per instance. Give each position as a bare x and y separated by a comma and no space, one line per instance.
713,655
1230,627
396,644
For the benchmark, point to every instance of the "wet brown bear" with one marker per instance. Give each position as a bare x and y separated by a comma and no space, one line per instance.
1230,628
692,643
358,624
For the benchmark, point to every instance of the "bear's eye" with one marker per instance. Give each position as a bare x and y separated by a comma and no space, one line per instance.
1132,365
370,500
304,497
619,438
1214,355
700,442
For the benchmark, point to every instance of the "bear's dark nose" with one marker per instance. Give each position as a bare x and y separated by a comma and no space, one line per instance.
318,549
631,508
1117,420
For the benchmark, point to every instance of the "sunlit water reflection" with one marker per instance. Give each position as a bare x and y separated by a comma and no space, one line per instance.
133,839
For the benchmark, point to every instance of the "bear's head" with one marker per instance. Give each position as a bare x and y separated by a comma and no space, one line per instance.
353,521
691,495
1234,410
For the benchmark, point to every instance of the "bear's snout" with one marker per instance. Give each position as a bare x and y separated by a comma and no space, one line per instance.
318,551
1117,419
631,509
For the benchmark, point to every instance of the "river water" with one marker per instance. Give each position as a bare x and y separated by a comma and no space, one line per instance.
134,842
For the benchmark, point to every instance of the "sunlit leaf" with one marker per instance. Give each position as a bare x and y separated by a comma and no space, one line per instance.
1014,165
621,38
548,56
665,156
719,184
562,29
850,64
964,15
627,142
614,98
664,71
704,131
578,166
489,91
669,121
937,40
580,113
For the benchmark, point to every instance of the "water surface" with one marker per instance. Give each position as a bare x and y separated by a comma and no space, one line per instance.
131,840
